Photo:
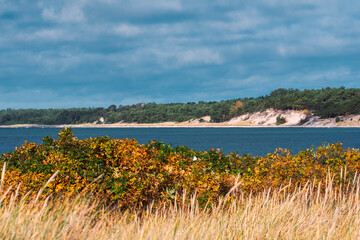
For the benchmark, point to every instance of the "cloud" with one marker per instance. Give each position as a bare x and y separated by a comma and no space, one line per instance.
102,51
202,56
166,5
68,14
127,30
42,35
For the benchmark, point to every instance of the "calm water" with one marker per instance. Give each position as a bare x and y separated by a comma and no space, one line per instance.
256,141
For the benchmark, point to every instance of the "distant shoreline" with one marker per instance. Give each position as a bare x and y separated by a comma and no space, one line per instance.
264,119
154,125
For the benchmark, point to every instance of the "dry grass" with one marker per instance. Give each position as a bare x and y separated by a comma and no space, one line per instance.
302,214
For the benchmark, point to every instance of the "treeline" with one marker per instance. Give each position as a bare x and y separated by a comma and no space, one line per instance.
50,116
327,102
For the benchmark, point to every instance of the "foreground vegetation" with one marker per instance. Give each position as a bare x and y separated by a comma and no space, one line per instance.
327,102
129,175
102,188
301,214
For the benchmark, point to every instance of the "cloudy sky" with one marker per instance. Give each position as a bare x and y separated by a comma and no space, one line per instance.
76,53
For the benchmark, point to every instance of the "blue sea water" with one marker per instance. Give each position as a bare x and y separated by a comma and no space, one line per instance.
254,141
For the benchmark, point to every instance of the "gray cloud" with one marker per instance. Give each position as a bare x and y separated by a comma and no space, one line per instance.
95,53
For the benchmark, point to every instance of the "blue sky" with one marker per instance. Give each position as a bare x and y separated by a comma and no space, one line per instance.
88,53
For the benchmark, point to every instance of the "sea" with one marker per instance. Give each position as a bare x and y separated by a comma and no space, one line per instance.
254,141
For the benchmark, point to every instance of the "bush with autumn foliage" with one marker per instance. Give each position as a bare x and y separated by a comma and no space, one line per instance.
132,175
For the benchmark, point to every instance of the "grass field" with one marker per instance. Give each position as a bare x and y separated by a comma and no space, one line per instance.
301,214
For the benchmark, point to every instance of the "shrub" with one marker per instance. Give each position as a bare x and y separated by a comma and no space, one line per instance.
280,120
131,175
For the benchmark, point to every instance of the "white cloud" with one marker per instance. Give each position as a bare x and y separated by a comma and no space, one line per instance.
239,82
164,5
174,29
50,62
47,35
51,34
68,14
202,56
127,30
339,75
175,57
240,20
245,19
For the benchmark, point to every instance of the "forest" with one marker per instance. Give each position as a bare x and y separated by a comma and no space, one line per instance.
325,103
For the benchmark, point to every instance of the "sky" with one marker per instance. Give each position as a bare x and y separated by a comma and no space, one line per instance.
91,53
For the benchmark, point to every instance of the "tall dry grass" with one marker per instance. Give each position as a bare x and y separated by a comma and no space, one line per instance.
301,214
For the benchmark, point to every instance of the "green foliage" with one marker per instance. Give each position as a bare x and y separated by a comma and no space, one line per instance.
50,116
280,120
